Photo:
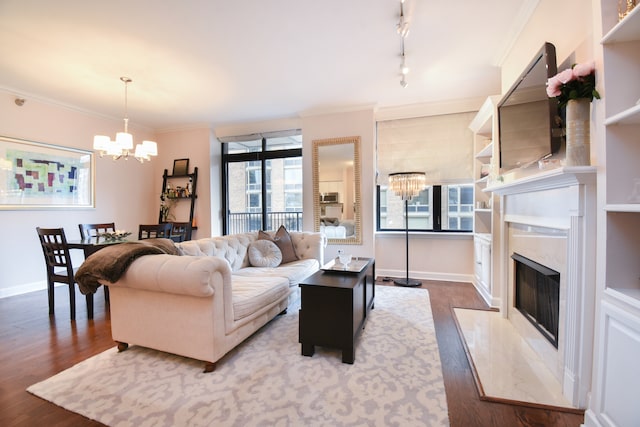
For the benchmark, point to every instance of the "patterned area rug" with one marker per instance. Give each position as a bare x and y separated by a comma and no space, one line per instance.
396,379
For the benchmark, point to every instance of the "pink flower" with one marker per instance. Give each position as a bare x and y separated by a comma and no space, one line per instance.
553,87
581,70
565,76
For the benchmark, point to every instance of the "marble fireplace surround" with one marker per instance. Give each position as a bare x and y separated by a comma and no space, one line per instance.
550,217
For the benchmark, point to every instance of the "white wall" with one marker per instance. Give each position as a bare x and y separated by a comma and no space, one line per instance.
567,24
124,189
195,145
336,125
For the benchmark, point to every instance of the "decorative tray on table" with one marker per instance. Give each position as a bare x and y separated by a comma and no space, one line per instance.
355,266
115,235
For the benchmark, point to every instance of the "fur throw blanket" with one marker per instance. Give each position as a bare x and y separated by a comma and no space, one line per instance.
110,263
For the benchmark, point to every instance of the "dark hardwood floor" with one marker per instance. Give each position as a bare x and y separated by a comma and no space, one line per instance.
35,346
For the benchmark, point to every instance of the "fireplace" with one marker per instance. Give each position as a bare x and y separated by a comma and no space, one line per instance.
549,217
537,296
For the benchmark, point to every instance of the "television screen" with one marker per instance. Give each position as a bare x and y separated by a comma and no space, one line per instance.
529,124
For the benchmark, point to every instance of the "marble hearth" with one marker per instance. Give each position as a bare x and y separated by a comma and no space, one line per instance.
550,218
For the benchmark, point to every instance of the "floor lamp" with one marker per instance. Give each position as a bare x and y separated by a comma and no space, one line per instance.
407,185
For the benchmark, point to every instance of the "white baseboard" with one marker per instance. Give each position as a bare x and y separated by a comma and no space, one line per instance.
23,289
426,275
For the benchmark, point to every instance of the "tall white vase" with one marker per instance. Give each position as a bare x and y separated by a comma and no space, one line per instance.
578,132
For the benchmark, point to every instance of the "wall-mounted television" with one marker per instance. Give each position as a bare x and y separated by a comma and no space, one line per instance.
530,127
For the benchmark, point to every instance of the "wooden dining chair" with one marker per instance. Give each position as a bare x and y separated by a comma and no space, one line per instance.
180,231
92,230
60,268
154,231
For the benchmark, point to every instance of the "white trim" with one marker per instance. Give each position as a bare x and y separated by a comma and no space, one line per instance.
23,289
426,275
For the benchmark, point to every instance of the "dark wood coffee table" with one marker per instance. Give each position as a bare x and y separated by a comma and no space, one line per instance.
334,309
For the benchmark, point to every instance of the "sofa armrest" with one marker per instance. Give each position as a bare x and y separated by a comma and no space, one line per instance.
182,275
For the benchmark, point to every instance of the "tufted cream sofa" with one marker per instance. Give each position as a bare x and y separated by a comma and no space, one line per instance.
206,302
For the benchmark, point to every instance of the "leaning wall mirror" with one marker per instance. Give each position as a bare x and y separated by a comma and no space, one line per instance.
336,189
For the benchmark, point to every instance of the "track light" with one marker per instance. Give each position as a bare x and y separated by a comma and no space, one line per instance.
402,28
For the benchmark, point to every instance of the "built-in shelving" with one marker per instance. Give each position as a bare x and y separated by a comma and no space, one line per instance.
616,376
484,131
630,116
486,152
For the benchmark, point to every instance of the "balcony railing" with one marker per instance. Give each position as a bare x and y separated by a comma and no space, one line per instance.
244,222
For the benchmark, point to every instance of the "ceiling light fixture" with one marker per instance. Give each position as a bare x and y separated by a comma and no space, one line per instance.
402,28
123,144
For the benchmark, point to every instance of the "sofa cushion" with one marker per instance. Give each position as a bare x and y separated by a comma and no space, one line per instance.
294,272
251,294
264,253
283,240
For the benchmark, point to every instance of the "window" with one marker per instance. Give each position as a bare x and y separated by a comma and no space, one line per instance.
451,210
262,182
440,146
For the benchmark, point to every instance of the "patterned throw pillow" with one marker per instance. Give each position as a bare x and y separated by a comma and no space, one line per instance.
283,240
264,253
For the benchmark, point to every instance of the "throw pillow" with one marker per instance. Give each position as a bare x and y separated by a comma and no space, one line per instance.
283,240
264,253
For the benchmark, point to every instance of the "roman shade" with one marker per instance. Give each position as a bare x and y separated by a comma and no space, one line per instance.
440,146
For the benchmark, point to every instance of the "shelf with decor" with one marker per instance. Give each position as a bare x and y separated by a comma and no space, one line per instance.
615,376
176,189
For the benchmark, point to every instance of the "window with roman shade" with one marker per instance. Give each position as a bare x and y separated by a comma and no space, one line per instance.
440,146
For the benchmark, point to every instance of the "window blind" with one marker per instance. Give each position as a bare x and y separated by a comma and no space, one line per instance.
440,146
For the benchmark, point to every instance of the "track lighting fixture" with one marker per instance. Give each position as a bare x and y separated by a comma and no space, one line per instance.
402,28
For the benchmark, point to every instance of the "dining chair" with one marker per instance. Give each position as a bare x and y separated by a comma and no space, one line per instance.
180,231
154,231
60,268
92,230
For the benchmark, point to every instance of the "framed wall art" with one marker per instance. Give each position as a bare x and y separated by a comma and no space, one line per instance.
35,175
180,167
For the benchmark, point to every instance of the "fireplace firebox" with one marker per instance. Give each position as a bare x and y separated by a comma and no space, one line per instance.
537,296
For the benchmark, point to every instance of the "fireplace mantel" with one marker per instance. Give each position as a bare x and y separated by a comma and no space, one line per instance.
558,199
515,183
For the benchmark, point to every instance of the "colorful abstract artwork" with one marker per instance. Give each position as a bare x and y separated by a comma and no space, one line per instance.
40,175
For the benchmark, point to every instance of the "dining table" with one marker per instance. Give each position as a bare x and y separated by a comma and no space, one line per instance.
92,244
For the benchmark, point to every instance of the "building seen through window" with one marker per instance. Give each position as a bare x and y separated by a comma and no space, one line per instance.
436,208
263,184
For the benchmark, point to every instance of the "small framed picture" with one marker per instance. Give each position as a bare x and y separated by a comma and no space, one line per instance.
180,167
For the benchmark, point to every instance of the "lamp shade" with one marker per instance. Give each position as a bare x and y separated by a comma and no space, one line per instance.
407,184
150,147
124,140
101,142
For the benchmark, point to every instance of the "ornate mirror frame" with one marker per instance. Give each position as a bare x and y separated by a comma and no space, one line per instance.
356,238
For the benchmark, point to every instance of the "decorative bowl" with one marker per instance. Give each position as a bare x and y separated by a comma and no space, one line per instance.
115,235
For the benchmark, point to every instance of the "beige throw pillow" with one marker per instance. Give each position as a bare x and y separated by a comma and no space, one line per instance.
283,240
264,253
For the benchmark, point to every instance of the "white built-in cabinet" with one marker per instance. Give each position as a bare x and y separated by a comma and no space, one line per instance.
484,128
615,396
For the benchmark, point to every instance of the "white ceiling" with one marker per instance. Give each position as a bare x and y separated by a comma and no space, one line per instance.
220,62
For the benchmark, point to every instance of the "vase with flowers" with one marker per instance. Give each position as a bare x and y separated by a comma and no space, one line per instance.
575,88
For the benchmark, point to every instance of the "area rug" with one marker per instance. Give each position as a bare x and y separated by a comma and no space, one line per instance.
396,379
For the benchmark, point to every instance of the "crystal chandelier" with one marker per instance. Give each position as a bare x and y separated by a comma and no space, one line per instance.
123,144
407,185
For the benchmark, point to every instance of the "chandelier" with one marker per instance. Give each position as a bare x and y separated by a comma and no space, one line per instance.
122,146
407,185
